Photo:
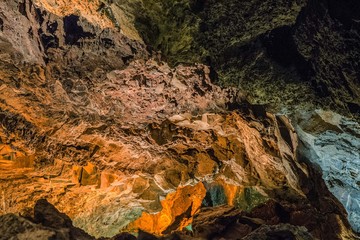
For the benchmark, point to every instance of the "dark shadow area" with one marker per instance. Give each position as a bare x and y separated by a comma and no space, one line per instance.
347,12
74,32
22,8
281,48
1,25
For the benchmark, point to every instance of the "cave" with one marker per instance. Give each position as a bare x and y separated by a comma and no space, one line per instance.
180,120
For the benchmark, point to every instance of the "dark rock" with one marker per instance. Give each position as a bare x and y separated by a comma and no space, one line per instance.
47,215
279,232
13,226
48,224
124,236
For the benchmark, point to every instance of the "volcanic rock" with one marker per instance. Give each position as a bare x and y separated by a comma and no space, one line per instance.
95,121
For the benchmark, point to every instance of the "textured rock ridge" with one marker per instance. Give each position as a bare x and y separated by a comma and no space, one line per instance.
66,38
240,158
331,141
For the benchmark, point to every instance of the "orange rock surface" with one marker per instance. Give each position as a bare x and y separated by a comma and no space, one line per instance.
87,9
177,211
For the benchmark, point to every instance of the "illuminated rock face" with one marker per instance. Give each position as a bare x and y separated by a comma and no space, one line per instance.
155,168
332,142
176,213
119,140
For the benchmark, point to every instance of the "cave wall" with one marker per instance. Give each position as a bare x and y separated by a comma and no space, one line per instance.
88,118
307,48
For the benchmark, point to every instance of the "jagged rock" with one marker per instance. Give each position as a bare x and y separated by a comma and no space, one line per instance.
48,223
118,140
13,227
332,143
281,231
47,215
283,53
42,32
187,136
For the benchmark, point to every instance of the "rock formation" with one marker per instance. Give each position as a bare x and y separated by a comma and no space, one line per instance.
309,48
332,142
46,222
113,113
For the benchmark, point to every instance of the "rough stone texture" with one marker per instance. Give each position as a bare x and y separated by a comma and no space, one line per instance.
327,37
282,231
45,32
107,125
332,142
289,55
48,223
269,220
106,153
282,53
229,223
117,142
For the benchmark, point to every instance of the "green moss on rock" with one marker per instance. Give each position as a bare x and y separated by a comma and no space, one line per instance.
249,199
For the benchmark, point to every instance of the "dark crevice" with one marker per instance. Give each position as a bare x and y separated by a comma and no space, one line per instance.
198,6
52,27
282,213
353,107
215,196
22,8
96,149
163,133
107,42
148,31
347,12
211,154
74,32
39,16
127,59
49,41
284,131
178,219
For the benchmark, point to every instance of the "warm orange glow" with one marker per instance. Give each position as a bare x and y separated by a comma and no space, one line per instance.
231,191
67,7
15,159
87,175
178,209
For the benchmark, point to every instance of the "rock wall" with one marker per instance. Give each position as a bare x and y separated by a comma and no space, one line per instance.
331,141
308,48
107,153
95,121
